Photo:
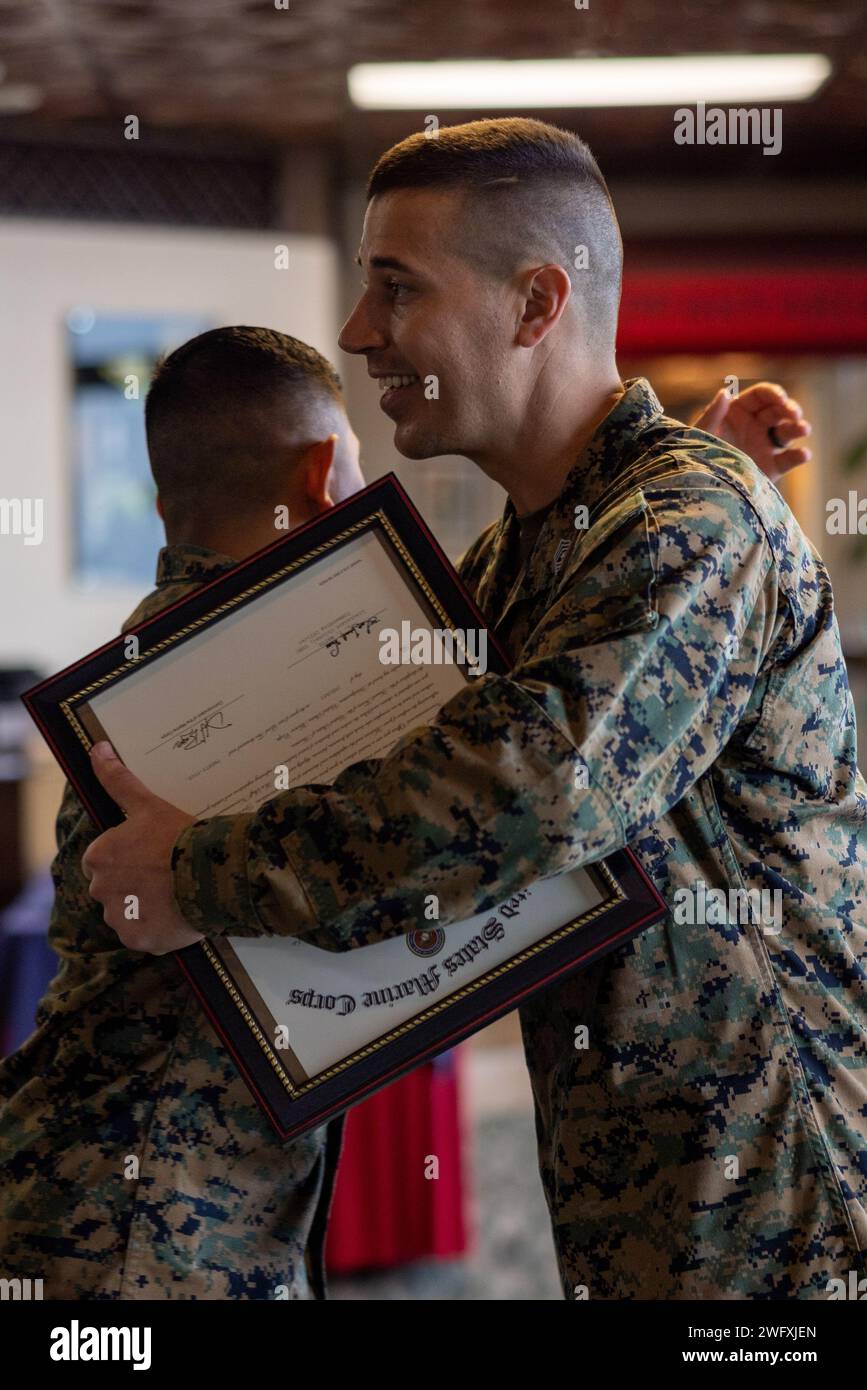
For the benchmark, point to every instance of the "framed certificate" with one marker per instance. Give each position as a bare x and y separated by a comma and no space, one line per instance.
316,653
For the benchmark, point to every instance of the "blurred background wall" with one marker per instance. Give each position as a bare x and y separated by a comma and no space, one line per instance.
51,271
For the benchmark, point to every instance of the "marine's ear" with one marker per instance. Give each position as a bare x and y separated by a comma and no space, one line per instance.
545,293
314,471
160,513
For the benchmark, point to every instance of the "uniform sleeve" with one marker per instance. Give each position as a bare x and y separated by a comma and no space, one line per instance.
621,699
76,925
74,831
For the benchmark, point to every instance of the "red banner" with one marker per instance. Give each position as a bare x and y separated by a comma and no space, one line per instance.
794,309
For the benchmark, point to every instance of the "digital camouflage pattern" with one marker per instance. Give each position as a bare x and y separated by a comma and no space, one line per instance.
125,1065
684,648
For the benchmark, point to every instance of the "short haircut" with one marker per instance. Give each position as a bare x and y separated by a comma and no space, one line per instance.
535,189
218,407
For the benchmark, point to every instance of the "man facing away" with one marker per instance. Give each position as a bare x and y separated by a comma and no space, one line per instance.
678,687
135,1162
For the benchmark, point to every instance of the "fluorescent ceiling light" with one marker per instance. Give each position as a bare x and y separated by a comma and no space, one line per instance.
584,82
19,96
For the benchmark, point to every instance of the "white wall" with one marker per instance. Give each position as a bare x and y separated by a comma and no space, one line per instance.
47,268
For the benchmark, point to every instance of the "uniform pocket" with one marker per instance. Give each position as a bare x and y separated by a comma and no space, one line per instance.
608,586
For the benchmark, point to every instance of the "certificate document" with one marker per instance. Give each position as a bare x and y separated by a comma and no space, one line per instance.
293,681
316,653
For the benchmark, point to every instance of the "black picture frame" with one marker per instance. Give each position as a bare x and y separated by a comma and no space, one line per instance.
59,707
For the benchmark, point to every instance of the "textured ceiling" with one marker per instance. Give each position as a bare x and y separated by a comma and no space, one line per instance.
245,68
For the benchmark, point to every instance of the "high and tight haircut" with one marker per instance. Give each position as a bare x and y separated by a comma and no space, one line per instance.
537,188
212,404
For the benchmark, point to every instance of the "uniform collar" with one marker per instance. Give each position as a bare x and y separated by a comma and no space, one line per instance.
193,564
504,582
609,447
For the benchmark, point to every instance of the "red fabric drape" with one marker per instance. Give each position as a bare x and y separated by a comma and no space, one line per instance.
385,1211
782,309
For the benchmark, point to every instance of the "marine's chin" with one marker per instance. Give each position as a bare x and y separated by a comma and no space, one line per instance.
415,445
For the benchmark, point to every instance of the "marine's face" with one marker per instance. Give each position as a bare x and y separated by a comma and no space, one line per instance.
433,327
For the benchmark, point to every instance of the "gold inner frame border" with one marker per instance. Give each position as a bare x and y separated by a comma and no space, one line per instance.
135,663
295,1091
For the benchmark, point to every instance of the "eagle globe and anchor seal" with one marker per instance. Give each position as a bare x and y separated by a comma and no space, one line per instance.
426,941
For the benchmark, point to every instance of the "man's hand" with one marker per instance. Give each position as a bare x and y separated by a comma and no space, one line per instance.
744,420
129,867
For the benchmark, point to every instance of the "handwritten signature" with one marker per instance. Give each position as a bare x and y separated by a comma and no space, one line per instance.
200,733
334,643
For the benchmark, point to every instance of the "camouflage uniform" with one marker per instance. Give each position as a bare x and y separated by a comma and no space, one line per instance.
124,1064
684,648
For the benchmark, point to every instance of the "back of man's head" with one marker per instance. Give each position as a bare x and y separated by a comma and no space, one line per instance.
227,413
532,189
